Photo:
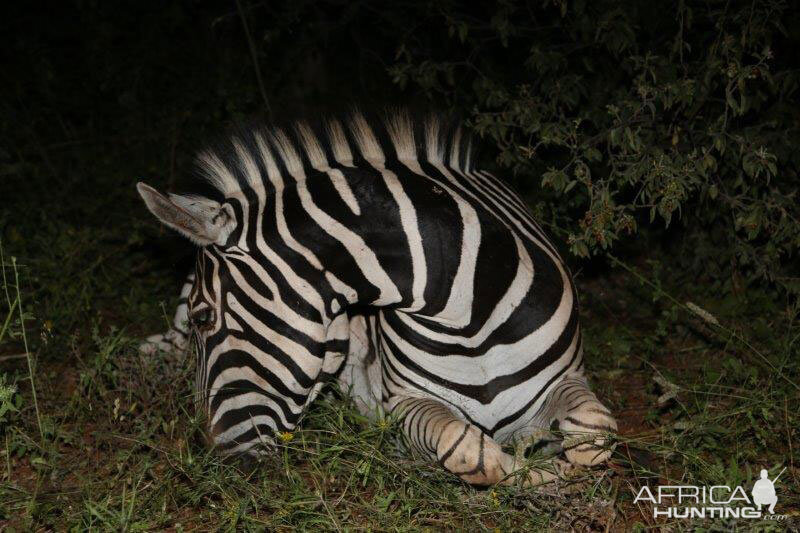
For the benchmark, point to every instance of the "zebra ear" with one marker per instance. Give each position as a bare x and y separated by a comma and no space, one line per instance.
202,220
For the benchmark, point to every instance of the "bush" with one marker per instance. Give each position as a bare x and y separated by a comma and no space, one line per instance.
627,117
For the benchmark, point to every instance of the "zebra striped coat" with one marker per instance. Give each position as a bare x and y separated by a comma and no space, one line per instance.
373,252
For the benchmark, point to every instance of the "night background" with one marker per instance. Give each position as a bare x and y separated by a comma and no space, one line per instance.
657,142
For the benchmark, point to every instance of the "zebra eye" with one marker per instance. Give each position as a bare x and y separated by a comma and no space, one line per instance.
203,318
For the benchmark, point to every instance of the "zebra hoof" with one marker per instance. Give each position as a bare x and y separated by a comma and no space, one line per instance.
587,433
589,454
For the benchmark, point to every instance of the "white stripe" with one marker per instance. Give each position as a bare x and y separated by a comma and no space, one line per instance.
248,399
503,309
309,363
458,310
243,427
338,141
349,293
409,222
276,305
516,223
216,173
276,179
343,188
489,186
267,361
264,359
537,415
320,162
515,398
370,149
499,360
231,323
364,256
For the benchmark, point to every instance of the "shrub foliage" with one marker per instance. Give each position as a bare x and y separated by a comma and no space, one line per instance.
637,116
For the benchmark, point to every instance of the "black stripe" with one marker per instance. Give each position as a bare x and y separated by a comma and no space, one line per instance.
236,388
487,392
590,426
515,416
452,448
239,359
479,467
390,365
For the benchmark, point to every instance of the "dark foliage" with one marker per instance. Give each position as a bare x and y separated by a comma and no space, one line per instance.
628,115
673,121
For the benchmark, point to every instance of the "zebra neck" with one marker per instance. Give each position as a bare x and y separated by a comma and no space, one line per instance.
360,237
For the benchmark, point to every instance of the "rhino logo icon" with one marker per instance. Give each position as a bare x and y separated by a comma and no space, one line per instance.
764,491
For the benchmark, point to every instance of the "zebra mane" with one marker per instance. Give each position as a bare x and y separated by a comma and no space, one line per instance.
254,156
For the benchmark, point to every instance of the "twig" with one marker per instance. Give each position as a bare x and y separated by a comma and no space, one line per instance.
11,308
789,436
8,455
327,508
5,281
253,55
25,343
14,356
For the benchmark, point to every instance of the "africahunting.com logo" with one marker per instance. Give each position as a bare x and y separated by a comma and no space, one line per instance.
717,501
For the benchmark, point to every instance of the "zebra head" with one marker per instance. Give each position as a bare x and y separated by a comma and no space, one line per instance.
259,359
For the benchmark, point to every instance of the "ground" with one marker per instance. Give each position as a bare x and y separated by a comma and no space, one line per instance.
705,394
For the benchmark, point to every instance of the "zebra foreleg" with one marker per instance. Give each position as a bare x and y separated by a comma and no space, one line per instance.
175,340
361,374
459,446
585,422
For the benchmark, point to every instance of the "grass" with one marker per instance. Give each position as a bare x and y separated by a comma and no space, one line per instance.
111,441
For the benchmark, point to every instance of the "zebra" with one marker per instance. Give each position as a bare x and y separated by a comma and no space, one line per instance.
372,252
